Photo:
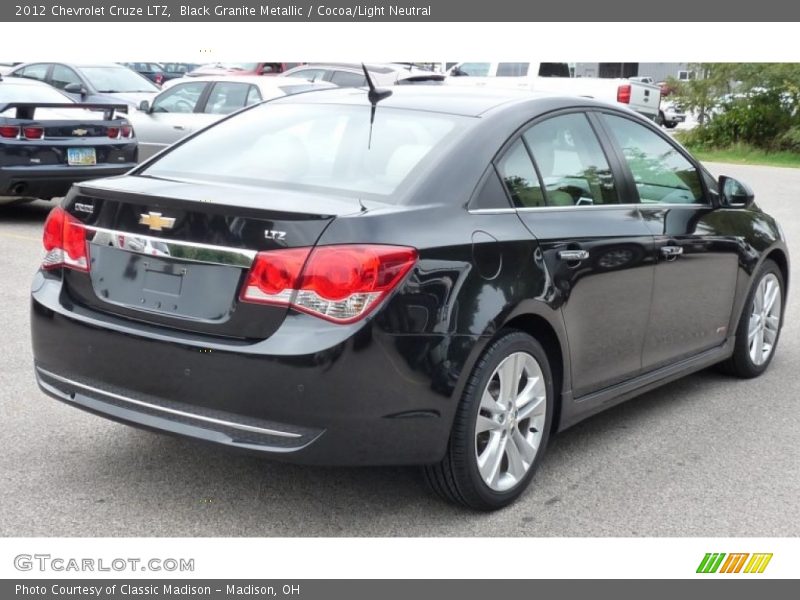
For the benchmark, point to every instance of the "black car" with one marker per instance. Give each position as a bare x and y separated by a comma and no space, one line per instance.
176,70
438,277
48,142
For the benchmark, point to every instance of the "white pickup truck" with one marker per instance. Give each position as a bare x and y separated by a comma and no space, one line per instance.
642,97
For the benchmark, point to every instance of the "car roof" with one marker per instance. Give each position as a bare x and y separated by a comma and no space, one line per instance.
68,64
471,102
257,80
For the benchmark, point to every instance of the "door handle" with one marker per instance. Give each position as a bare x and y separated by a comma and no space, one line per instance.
573,255
672,251
179,127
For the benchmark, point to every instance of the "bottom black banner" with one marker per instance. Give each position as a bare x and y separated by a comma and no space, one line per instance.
334,589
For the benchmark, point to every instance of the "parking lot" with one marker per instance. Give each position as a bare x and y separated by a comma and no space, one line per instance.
705,456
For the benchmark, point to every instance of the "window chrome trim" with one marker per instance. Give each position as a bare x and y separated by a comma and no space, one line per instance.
177,249
172,411
639,205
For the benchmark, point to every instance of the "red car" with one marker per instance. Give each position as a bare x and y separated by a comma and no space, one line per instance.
262,68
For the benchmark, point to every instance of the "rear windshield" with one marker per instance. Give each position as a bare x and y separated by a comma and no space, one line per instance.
299,146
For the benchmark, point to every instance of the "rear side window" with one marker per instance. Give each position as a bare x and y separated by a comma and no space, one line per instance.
519,177
571,161
348,79
227,97
662,174
506,69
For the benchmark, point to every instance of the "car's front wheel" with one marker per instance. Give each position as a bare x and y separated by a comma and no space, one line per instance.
760,324
501,426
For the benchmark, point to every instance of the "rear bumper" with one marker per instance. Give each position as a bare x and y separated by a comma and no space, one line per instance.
52,180
360,397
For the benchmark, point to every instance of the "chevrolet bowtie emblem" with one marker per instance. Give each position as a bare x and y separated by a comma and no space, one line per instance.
79,132
156,222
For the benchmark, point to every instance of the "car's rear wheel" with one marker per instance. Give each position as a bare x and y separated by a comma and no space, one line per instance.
760,324
501,426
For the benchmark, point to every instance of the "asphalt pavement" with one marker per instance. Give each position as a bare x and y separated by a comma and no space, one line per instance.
705,456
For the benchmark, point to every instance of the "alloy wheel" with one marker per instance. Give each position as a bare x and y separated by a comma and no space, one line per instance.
510,421
765,319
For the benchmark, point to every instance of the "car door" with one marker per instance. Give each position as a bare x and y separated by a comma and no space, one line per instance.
596,249
695,277
169,117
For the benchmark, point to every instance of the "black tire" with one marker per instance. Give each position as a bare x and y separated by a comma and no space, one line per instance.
670,125
740,364
660,118
457,478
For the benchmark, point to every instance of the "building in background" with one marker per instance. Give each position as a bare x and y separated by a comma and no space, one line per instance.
658,71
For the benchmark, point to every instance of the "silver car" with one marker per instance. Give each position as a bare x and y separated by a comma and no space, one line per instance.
191,104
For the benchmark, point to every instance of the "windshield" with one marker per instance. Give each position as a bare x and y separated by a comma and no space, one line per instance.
314,146
116,79
31,93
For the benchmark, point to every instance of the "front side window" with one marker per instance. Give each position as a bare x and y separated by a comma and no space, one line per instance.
310,74
62,76
571,162
181,98
313,146
474,69
661,173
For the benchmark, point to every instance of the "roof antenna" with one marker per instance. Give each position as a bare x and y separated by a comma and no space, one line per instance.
375,95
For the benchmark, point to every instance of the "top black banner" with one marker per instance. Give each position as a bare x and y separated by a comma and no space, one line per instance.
400,10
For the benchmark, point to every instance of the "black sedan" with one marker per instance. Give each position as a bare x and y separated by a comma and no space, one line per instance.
427,276
48,142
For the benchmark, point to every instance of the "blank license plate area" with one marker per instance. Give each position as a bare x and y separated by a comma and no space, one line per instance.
148,283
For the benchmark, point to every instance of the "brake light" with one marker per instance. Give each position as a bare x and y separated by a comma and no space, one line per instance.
337,283
126,131
159,79
33,133
113,132
624,94
65,242
9,131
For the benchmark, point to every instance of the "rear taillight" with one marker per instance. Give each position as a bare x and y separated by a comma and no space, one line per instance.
126,131
33,133
9,131
113,132
624,94
159,79
337,283
65,242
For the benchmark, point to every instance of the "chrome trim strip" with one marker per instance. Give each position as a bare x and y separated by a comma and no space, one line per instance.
177,249
172,411
639,205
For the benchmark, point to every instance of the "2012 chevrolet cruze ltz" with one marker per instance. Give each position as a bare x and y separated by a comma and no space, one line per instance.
428,276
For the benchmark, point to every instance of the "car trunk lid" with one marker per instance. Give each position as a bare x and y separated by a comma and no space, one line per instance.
175,253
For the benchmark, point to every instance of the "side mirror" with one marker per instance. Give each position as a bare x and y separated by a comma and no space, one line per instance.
144,106
76,88
734,193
